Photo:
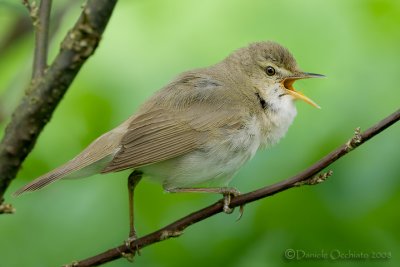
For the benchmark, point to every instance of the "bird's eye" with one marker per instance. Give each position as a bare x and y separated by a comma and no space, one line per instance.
270,71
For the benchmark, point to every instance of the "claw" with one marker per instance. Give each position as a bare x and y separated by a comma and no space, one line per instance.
227,201
228,194
128,256
241,210
128,243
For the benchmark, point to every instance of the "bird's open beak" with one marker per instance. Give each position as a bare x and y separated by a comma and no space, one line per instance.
288,84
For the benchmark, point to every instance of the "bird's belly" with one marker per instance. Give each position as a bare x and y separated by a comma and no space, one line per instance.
212,165
198,168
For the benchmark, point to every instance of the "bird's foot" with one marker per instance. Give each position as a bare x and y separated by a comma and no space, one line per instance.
132,251
229,193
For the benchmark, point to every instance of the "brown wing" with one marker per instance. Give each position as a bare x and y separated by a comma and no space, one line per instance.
154,136
177,120
159,135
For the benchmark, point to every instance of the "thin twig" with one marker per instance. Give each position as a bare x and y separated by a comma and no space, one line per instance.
22,27
42,97
308,176
33,10
41,39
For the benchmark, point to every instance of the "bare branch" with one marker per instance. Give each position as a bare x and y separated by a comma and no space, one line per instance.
41,39
43,96
21,27
309,176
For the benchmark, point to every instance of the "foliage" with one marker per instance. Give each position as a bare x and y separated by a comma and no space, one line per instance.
147,43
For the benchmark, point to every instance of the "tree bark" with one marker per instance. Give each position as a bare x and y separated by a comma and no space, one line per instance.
45,93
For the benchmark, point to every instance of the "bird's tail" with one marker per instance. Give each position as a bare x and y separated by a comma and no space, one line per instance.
71,169
90,161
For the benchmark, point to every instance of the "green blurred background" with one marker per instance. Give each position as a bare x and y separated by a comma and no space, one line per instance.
147,43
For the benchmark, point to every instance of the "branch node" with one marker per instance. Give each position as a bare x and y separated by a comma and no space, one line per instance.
170,233
83,39
33,10
355,141
316,179
73,264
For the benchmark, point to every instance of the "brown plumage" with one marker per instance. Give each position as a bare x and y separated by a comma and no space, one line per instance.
202,126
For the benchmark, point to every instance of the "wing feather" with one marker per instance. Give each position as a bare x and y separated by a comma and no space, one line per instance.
154,137
177,120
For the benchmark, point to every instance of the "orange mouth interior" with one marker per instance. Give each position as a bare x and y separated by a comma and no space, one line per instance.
288,84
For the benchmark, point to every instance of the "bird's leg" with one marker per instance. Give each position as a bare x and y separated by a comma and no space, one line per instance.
227,192
133,179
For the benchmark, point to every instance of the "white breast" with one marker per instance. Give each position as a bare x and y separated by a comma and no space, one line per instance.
219,160
275,122
214,165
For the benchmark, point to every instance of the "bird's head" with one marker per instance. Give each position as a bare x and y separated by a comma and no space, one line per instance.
273,69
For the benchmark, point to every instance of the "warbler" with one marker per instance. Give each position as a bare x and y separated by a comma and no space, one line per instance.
196,132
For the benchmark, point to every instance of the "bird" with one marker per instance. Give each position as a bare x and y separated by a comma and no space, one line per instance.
196,132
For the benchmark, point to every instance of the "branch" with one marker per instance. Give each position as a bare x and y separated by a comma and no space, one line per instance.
43,95
308,176
22,27
41,39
